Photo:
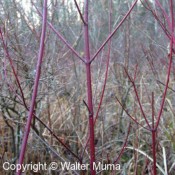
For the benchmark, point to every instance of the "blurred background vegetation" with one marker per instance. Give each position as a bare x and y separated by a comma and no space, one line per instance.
139,41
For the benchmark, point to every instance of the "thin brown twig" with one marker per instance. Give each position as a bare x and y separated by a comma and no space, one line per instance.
79,11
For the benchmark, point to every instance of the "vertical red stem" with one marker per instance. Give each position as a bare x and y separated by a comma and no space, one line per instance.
107,63
154,151
154,128
89,88
152,110
38,69
170,64
153,131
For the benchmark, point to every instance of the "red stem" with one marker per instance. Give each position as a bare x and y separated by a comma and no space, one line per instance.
153,132
138,99
89,88
107,66
106,76
169,67
154,151
152,104
38,70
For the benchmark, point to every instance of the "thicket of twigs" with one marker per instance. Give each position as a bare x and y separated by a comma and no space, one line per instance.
132,80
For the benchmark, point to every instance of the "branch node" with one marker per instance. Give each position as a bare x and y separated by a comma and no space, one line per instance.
90,113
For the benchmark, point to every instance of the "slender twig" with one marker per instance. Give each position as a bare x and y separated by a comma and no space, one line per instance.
79,11
123,147
155,14
54,151
164,13
163,26
124,144
107,66
87,107
165,85
130,115
137,96
58,139
11,64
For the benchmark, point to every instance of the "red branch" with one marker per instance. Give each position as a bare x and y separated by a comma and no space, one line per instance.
169,67
36,84
137,96
106,76
89,89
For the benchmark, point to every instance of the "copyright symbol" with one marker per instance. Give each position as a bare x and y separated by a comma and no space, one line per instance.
53,166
